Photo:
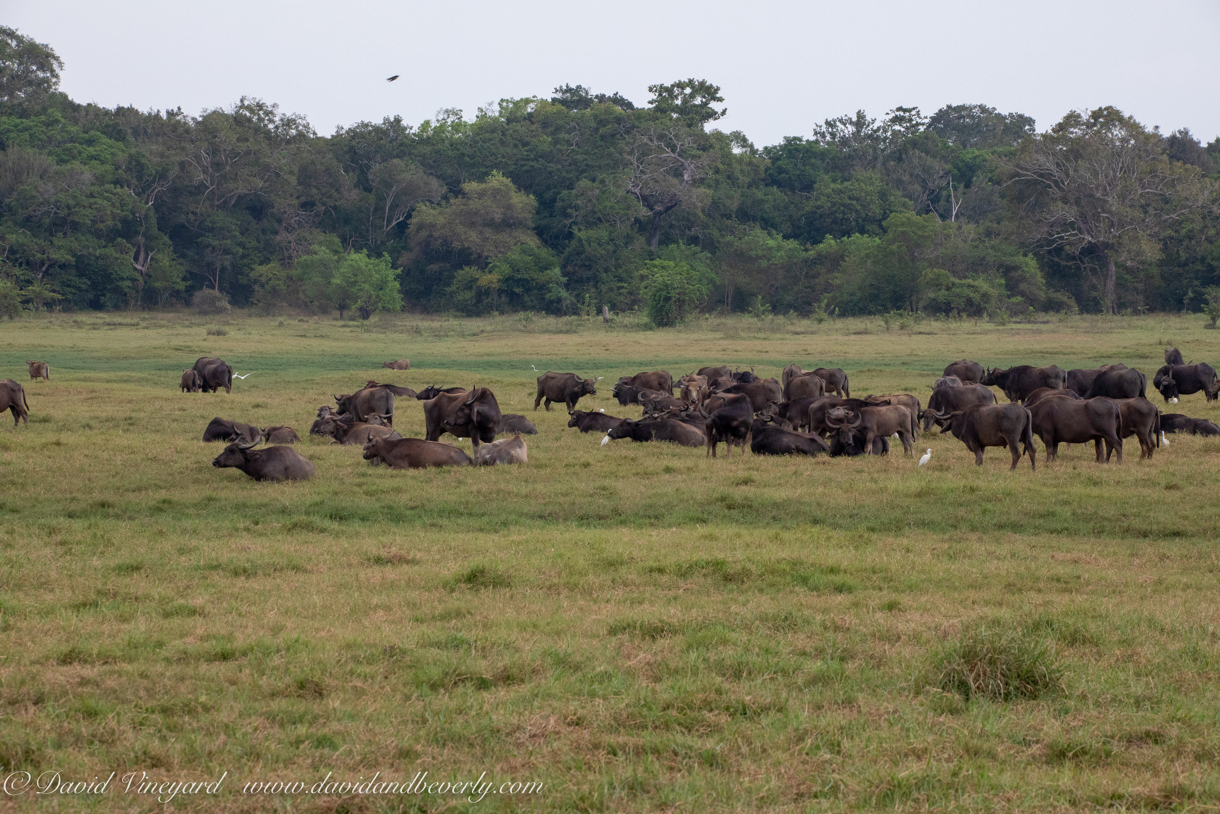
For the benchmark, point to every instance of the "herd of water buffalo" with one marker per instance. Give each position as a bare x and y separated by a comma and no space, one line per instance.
806,412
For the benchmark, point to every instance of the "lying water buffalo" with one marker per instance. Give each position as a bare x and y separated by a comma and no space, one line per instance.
505,451
220,429
657,430
1019,381
591,421
969,372
877,422
1060,420
517,424
729,422
405,392
780,441
432,391
39,370
1174,381
795,413
272,463
995,425
213,374
279,435
474,415
367,402
655,380
399,364
12,398
412,453
946,400
190,382
354,432
841,445
1141,418
816,412
1175,422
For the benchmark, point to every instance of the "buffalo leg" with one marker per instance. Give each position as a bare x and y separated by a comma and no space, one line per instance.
1097,449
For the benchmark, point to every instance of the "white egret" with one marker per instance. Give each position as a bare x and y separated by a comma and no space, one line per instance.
927,456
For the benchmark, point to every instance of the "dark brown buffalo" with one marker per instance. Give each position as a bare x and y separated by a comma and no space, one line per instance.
398,364
1141,418
279,435
1060,420
842,446
220,429
795,413
789,373
565,387
760,393
817,410
1018,382
1174,381
947,381
805,386
354,432
996,425
717,372
39,370
744,376
432,391
657,430
878,422
946,400
190,382
591,421
1046,393
213,374
656,380
405,392
968,371
1080,380
272,463
12,398
1175,422
836,380
731,421
474,415
906,400
516,424
688,414
505,451
1118,382
412,453
626,394
655,402
780,441
367,402
1173,356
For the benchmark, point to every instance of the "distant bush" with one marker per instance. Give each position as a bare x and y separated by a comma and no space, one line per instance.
1060,302
218,332
10,299
209,301
1000,663
1211,305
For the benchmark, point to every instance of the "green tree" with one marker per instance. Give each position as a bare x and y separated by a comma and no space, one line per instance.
672,291
10,299
485,221
367,284
29,70
690,101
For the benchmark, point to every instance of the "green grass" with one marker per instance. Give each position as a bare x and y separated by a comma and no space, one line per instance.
635,626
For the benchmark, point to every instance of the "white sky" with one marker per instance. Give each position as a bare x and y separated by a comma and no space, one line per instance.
782,66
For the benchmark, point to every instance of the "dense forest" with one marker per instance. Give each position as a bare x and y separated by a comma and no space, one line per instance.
585,199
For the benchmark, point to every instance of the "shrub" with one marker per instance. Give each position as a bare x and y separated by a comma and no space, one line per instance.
10,299
1211,305
209,301
672,291
1003,664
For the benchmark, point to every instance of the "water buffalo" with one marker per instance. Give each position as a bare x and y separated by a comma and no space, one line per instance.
190,382
780,441
835,379
947,381
1018,382
591,421
795,413
505,451
12,398
1173,356
906,400
279,435
629,394
744,376
731,421
517,424
841,445
878,422
816,412
354,432
1080,380
805,386
1175,422
474,415
1061,420
717,372
565,387
272,463
1118,382
946,400
760,392
399,364
220,429
1141,418
995,425
657,430
968,371
39,370
693,388
405,392
1173,381
412,453
1046,393
367,402
213,374
432,391
656,380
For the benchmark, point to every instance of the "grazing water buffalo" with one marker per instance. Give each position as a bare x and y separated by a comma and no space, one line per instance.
1118,382
760,392
995,425
220,429
505,451
805,386
946,400
1173,356
367,402
272,463
968,371
877,422
1175,422
1173,381
835,379
780,441
1046,393
432,391
412,453
1141,418
39,370
656,380
399,364
12,398
190,382
1080,380
565,387
591,421
518,424
1018,382
474,415
279,435
731,421
213,374
1059,420
657,430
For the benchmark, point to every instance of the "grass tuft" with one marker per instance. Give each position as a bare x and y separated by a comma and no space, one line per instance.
998,663
483,576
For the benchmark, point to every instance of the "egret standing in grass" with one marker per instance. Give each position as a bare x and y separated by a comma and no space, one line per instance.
927,456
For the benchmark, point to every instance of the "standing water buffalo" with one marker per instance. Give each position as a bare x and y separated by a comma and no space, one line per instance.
412,453
1018,382
213,374
1141,418
565,387
190,382
947,381
968,371
400,364
995,425
1046,393
732,421
946,400
220,429
906,400
367,402
1059,420
1118,382
474,415
432,391
12,398
272,463
836,380
1172,381
505,451
761,392
39,370
661,380
878,422
805,386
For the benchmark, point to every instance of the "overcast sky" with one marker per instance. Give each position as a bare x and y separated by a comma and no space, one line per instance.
782,66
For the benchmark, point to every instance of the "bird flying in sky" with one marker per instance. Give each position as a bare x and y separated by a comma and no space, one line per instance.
392,78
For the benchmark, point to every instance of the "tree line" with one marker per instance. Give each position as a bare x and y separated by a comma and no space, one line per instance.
568,203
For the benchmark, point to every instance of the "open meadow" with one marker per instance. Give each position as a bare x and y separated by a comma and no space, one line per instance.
635,627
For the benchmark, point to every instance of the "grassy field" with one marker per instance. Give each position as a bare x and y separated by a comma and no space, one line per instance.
635,627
